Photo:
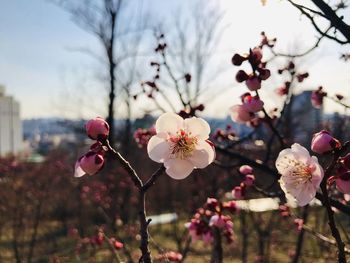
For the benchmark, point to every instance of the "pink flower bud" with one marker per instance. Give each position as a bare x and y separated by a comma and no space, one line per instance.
323,142
253,83
240,114
89,163
241,76
237,192
249,180
97,128
264,73
343,183
118,245
217,220
237,59
246,169
256,56
299,223
252,104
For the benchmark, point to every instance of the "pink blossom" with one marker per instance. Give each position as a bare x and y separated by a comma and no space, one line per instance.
181,144
249,180
323,142
237,192
217,220
252,104
246,169
301,173
240,114
343,182
97,128
253,83
90,163
192,230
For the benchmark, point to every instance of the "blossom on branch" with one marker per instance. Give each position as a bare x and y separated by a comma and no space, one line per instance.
181,144
301,173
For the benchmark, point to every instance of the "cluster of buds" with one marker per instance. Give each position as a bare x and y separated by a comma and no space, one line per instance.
93,161
342,175
259,70
247,171
142,136
317,97
171,256
247,111
149,88
96,240
161,46
227,134
265,41
290,68
323,142
211,216
191,111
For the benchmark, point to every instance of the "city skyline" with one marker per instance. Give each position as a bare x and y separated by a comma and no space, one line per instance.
40,69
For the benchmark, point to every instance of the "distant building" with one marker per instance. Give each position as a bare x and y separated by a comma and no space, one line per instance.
11,137
302,119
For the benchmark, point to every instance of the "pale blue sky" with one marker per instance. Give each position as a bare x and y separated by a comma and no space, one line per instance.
37,67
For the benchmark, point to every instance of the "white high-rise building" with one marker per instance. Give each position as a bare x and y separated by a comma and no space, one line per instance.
11,137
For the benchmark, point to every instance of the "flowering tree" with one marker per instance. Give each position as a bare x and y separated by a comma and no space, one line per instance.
180,143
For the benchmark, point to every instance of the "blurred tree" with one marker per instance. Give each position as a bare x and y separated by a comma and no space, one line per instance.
106,20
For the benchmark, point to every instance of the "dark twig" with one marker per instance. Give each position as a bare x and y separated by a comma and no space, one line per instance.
301,236
327,204
144,222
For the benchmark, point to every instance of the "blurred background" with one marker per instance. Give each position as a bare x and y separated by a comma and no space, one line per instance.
63,62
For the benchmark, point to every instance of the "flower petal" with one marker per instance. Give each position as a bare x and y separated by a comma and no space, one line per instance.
158,148
203,155
178,169
197,127
283,160
78,172
318,173
169,123
301,153
306,194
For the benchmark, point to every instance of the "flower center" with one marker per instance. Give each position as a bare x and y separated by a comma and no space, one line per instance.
301,173
182,144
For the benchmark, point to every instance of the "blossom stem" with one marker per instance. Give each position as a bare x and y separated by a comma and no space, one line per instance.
326,203
332,225
272,127
217,253
301,236
142,188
